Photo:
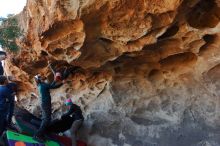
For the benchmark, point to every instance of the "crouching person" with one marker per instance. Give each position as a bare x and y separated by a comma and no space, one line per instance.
76,113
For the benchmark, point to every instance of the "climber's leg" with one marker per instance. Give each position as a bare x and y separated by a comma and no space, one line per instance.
2,120
46,118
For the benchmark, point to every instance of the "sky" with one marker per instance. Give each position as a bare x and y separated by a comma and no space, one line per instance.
11,7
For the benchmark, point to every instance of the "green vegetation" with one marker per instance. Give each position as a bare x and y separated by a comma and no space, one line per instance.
9,31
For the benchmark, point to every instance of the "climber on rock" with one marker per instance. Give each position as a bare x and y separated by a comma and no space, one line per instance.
45,104
75,113
12,86
5,95
3,56
62,73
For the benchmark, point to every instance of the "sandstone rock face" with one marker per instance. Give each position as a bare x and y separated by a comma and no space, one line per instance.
149,69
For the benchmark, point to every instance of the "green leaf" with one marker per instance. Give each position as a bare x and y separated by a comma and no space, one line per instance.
9,31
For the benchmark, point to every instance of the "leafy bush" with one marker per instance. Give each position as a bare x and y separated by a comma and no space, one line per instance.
9,31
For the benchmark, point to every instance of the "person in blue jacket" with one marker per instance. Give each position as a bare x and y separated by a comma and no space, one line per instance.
45,104
12,86
5,95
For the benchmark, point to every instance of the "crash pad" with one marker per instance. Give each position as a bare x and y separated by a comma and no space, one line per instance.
16,139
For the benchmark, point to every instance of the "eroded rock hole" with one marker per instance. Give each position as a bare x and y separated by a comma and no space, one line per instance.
44,53
153,72
209,38
58,51
105,40
170,32
204,15
40,64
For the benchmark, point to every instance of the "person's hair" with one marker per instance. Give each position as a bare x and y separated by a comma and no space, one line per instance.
68,101
37,81
2,80
37,78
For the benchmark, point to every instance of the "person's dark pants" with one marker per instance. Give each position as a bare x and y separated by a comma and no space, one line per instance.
1,69
46,118
10,112
57,125
61,125
3,122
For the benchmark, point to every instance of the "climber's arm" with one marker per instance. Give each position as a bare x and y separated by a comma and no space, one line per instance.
54,85
51,68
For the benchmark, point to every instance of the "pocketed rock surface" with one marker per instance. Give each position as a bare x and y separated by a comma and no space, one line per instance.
149,69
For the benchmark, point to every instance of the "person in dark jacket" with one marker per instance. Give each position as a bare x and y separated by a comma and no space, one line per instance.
5,95
12,86
3,56
76,113
66,121
45,103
